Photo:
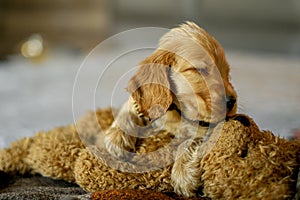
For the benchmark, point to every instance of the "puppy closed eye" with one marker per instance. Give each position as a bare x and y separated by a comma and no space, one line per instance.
203,71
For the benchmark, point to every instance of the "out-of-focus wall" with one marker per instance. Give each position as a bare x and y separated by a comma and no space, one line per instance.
76,23
270,25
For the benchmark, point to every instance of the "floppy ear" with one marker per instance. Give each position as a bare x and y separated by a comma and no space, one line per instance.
150,86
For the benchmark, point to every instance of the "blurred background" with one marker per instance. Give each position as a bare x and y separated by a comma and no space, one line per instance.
43,43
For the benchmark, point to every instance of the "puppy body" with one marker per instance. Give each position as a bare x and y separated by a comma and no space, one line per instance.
182,88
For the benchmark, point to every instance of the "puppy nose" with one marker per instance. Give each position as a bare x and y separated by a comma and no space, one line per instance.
230,102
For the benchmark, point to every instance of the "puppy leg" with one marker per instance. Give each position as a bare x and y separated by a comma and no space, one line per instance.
120,138
185,175
186,171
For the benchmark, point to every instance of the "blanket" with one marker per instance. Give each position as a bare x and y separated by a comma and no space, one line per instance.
36,187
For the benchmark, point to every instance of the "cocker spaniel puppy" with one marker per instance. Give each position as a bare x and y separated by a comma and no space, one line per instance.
183,87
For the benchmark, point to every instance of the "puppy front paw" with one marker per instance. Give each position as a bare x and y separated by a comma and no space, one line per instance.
119,144
185,178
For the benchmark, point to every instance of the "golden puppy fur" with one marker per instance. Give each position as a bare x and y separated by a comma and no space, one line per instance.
187,72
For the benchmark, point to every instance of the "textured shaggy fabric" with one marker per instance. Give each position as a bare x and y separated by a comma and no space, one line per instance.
243,162
255,163
34,187
138,195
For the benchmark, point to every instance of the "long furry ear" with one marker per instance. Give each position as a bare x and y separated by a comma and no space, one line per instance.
150,86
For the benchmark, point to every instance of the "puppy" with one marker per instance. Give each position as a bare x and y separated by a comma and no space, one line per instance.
183,87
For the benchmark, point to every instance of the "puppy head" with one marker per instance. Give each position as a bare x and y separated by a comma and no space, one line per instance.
189,69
